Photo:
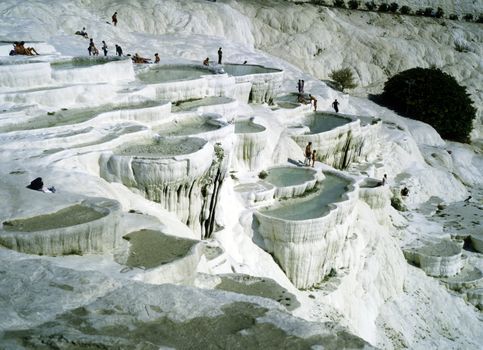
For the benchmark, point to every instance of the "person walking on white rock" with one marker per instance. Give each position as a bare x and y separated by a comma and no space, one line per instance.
335,105
384,180
308,153
114,19
118,50
314,157
220,55
313,101
92,49
104,47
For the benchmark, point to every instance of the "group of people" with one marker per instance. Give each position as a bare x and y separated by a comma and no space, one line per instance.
206,61
20,49
312,100
310,155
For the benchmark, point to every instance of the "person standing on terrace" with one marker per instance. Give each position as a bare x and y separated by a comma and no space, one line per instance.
220,55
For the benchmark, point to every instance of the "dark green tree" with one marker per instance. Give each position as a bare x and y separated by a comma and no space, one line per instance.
353,4
405,10
370,5
339,3
383,7
439,13
434,97
393,7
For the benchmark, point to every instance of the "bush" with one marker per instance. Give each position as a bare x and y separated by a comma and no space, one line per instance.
393,7
370,5
439,13
480,19
318,2
405,10
339,3
343,78
428,12
353,4
468,17
434,97
453,17
383,7
420,12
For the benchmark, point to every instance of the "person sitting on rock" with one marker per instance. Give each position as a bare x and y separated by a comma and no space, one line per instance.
206,62
20,49
82,32
404,192
38,185
156,58
138,59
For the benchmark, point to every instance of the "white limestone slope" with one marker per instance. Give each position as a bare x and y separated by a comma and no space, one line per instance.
350,259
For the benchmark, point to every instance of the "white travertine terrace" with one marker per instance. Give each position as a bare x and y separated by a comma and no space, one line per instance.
251,139
439,259
90,226
307,249
183,181
344,144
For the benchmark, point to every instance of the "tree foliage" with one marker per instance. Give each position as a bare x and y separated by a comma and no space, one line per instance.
353,4
393,7
370,5
339,3
383,7
434,97
405,10
344,78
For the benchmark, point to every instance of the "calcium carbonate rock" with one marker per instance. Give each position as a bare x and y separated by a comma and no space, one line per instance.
469,277
475,296
339,143
90,226
306,235
250,142
183,174
24,76
437,259
265,82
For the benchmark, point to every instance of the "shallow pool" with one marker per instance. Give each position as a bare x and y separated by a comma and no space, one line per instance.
153,248
188,127
70,216
200,102
163,74
81,62
247,69
289,176
321,122
247,127
331,190
72,116
163,147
